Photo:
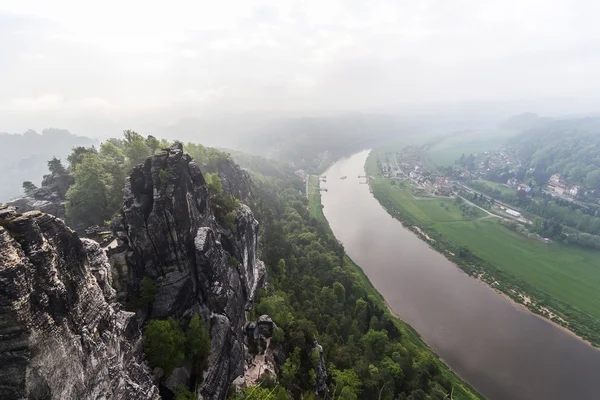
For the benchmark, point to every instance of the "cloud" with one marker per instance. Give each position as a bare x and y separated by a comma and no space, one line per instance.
188,57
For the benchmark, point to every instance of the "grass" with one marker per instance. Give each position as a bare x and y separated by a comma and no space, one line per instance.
496,185
425,210
563,279
314,198
568,273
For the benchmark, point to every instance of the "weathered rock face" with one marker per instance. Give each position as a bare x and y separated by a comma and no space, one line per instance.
49,198
62,335
236,181
171,236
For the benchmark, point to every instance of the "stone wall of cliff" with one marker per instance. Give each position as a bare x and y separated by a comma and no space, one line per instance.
62,334
168,232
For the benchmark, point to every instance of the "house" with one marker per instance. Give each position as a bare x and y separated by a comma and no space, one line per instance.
524,187
512,182
557,184
302,175
574,190
444,190
513,213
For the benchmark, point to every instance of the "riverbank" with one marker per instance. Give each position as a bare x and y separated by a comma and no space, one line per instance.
411,338
444,241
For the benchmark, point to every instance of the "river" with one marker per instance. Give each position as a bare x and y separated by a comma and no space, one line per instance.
500,348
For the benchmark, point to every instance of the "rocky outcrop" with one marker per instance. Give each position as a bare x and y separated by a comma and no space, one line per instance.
49,198
170,234
236,181
321,374
261,359
62,334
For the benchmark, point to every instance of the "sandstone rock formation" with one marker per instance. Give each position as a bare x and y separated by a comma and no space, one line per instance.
170,234
49,198
62,334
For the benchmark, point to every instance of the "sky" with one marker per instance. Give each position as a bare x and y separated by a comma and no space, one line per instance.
99,65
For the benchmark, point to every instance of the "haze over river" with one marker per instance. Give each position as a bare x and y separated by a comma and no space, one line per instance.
503,350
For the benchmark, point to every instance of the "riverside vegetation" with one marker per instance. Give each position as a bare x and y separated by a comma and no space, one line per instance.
554,280
315,292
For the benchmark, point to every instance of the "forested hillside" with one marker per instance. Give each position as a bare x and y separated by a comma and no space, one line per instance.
335,338
568,147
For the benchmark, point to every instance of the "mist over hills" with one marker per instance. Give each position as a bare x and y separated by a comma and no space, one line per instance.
25,156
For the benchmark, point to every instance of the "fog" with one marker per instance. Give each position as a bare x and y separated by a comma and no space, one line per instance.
98,68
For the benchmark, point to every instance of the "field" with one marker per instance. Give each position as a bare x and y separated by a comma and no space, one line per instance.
568,273
314,198
564,278
495,185
428,210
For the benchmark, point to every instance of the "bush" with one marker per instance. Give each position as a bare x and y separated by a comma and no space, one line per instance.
164,344
147,293
197,342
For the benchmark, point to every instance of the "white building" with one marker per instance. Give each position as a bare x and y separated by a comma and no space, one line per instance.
513,213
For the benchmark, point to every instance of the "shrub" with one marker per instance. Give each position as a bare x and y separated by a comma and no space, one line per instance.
164,344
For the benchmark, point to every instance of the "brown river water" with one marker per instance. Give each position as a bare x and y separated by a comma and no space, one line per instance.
500,348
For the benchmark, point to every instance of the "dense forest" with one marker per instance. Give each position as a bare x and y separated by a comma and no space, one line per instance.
567,147
315,293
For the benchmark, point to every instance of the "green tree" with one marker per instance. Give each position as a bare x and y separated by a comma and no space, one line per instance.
592,179
55,167
183,393
148,291
164,344
135,148
152,143
197,342
113,159
215,186
347,384
87,199
28,188
77,154
538,225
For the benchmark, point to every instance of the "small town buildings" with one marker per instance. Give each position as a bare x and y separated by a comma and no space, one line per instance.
525,188
574,190
557,184
512,182
513,213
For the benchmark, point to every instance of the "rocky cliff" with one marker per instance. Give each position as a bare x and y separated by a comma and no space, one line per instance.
168,232
62,334
49,198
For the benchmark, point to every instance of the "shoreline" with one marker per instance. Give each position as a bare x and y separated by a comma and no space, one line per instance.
423,236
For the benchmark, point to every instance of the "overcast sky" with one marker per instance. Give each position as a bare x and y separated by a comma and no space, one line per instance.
64,62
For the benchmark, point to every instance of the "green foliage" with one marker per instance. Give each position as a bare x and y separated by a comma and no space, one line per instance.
197,341
163,176
148,291
260,393
135,148
77,154
87,199
213,182
164,344
208,158
183,393
56,168
28,188
318,293
152,143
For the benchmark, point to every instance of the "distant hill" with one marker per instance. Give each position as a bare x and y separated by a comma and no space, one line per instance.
24,156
